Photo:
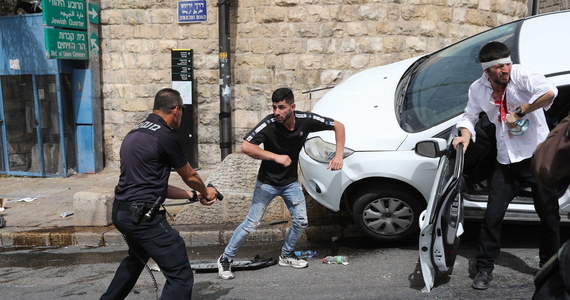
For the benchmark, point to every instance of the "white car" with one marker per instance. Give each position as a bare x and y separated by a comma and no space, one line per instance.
441,224
388,109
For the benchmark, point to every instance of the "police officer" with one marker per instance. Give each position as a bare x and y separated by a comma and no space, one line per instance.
148,153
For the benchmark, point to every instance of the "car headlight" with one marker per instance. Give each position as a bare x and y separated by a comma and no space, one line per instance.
322,151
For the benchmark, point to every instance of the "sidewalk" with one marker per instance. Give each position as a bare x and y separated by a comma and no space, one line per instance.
46,218
37,220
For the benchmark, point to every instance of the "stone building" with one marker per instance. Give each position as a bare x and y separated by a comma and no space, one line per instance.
303,44
553,5
308,45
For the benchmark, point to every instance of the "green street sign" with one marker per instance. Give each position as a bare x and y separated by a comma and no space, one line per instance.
94,44
93,13
65,13
66,44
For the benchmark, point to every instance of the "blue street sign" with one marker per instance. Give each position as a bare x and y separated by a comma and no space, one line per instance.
192,11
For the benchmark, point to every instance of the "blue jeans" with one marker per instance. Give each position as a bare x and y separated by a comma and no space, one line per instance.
293,196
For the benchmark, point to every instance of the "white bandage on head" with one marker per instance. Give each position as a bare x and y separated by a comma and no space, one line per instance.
506,60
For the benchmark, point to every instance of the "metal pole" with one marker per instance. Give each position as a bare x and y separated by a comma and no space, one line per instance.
534,7
225,78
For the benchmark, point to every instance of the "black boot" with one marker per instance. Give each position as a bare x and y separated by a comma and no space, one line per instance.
481,280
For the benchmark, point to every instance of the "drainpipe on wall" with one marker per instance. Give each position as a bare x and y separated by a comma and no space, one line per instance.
534,8
225,78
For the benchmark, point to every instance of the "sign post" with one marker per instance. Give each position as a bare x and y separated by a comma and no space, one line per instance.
94,44
66,38
64,13
71,32
66,44
93,13
182,73
182,77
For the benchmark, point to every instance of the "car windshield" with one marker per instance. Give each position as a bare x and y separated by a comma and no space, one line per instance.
436,88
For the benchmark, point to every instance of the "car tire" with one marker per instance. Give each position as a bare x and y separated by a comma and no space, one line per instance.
387,215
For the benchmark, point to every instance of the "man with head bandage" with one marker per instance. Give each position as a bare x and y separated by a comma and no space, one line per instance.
514,100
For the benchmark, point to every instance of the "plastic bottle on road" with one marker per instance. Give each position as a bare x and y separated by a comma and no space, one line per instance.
339,259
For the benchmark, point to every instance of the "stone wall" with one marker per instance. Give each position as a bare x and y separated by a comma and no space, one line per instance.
553,5
302,44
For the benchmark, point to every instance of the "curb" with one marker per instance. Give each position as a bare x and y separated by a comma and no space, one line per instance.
193,235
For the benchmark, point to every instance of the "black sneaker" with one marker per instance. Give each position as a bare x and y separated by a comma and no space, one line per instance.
481,280
225,268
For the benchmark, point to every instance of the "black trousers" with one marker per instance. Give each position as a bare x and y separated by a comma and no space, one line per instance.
156,239
505,183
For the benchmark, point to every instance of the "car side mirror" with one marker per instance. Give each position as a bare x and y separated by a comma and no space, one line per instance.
432,148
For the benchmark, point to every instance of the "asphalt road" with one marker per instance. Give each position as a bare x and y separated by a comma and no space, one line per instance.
375,271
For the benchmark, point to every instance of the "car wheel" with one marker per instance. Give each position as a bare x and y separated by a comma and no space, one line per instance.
387,215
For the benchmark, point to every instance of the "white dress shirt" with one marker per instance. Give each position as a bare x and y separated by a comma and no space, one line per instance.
524,86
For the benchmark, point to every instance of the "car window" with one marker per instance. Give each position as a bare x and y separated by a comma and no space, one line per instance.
436,89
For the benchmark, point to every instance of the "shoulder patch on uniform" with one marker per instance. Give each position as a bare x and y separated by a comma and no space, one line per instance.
148,125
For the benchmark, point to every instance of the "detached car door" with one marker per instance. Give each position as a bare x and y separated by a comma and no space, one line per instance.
441,224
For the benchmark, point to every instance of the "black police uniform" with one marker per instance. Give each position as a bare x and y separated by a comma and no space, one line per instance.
148,153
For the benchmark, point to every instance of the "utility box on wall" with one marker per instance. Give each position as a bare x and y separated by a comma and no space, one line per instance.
84,120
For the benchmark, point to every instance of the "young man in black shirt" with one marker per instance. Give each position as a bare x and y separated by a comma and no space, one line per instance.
148,154
282,134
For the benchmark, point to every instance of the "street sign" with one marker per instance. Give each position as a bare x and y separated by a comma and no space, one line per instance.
66,44
182,73
182,64
94,43
192,11
93,13
64,13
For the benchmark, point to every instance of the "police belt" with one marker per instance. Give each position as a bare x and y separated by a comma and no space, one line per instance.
126,205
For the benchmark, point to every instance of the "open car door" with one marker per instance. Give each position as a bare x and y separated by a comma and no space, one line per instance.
441,224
